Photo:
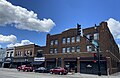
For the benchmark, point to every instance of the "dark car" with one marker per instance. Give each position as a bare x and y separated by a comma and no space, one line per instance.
42,70
59,70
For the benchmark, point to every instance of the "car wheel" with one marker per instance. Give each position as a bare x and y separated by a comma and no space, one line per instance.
60,73
18,69
51,72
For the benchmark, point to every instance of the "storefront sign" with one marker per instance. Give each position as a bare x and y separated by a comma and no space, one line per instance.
39,59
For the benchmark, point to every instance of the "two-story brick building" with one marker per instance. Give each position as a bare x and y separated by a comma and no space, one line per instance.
25,54
67,49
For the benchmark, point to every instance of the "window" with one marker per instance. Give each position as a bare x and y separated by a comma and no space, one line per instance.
78,39
68,49
11,53
52,42
7,54
89,48
56,42
64,40
78,49
73,39
68,40
72,49
96,36
55,50
51,50
30,52
25,54
88,36
63,50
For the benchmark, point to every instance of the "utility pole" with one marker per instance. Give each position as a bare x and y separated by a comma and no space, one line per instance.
94,44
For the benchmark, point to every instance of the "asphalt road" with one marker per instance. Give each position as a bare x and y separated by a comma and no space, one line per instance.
12,73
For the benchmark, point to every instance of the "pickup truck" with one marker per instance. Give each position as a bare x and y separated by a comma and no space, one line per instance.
25,68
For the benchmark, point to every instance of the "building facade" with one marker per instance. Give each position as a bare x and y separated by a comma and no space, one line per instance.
74,52
25,54
9,57
2,56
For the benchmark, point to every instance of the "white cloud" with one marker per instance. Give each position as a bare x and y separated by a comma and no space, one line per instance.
8,39
21,18
23,42
114,27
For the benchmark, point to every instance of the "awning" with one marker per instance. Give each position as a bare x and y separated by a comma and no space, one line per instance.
37,62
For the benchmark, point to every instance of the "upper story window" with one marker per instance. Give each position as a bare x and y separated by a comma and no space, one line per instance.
56,42
77,48
51,50
89,48
30,52
63,50
7,54
73,39
68,40
55,50
96,36
11,53
72,49
64,40
68,49
52,42
88,36
78,39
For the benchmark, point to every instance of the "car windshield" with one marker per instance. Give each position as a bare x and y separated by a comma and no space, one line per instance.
41,68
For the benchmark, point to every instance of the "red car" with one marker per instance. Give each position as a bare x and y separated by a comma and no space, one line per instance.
25,68
59,70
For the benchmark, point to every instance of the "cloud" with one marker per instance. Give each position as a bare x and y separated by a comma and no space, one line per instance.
0,46
114,27
23,42
21,18
8,39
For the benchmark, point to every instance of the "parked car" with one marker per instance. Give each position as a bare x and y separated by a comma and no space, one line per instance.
59,70
42,70
25,68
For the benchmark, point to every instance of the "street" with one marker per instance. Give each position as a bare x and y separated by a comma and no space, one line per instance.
13,73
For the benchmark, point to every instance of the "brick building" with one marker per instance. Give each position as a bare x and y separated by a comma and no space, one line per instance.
76,52
25,54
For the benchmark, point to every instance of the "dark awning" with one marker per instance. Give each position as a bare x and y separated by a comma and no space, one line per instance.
37,62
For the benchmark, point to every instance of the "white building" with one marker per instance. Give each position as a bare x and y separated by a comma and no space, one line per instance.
9,55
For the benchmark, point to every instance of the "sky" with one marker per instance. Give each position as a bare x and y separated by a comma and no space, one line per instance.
25,22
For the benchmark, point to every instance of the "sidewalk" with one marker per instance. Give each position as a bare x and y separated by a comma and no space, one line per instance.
79,75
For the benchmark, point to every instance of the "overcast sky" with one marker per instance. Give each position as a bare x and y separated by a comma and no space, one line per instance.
28,21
